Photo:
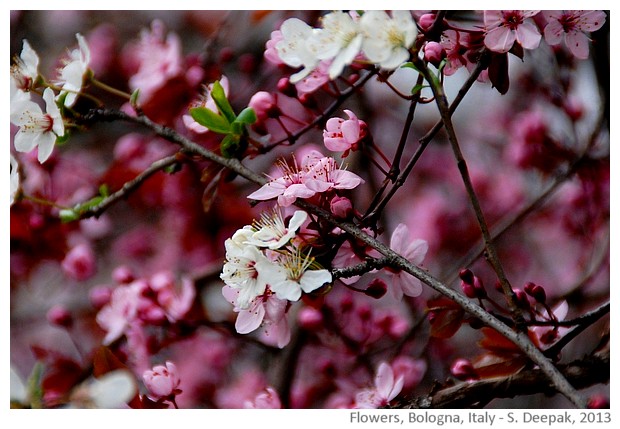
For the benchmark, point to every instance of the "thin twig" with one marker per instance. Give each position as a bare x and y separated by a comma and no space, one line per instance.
129,187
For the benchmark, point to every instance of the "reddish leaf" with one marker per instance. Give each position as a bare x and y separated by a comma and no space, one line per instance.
491,365
105,361
445,317
497,343
498,72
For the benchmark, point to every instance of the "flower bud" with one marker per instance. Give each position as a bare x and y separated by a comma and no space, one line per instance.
426,21
376,289
341,207
598,401
123,275
536,291
468,290
99,296
463,370
434,53
286,87
479,289
79,264
521,298
264,104
467,276
162,381
310,318
60,316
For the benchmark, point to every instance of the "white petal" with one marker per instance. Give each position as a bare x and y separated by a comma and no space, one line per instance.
314,279
113,390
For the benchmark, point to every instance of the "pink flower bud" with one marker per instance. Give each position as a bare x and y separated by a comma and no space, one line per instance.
536,291
376,289
598,401
226,54
59,316
123,275
310,318
463,370
80,263
467,276
264,104
100,296
468,290
341,207
286,87
479,288
162,381
434,53
426,21
521,298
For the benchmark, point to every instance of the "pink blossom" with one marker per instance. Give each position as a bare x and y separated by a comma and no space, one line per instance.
287,188
454,46
264,311
342,135
162,381
412,250
80,263
571,25
412,370
158,59
504,27
325,174
386,388
271,53
317,78
341,207
121,311
59,316
176,305
350,255
267,399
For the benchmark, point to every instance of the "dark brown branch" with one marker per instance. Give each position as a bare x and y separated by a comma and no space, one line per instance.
589,371
129,187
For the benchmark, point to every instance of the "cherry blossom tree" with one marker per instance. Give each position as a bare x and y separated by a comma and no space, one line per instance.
346,209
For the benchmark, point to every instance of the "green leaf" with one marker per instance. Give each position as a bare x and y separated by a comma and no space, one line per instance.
410,65
230,146
247,116
219,96
208,118
134,98
418,88
68,215
35,392
237,128
443,63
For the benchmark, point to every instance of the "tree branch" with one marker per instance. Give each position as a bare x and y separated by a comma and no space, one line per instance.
591,370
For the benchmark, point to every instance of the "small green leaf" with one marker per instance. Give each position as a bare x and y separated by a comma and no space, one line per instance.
35,392
104,191
237,128
68,215
410,65
230,146
247,116
443,63
133,100
60,140
418,88
219,96
208,118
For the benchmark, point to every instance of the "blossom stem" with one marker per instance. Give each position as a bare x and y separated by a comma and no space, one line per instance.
109,89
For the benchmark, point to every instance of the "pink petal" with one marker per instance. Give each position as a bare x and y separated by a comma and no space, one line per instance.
344,179
268,191
528,35
416,251
591,20
351,131
250,320
500,39
400,238
410,285
493,18
384,380
577,43
554,32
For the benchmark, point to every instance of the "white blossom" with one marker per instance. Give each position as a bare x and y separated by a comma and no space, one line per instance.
36,128
26,68
14,178
294,50
298,277
72,74
271,231
387,40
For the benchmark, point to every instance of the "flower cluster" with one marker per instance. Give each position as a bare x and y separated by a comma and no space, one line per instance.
375,36
316,174
267,266
39,129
